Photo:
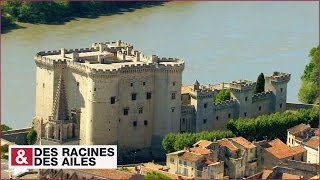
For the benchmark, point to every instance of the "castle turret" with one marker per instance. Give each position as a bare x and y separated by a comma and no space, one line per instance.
242,92
277,83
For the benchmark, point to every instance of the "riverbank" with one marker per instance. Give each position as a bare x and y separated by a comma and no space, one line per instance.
55,13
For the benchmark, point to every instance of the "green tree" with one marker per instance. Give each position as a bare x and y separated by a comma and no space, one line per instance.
223,95
31,136
260,84
308,92
5,148
155,175
5,127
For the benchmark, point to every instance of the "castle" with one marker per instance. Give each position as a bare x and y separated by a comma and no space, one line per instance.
113,94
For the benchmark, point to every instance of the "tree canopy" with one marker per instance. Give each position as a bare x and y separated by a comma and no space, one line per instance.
155,175
31,136
260,84
223,95
308,92
177,141
5,127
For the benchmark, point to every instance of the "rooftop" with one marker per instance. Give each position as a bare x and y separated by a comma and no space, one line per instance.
243,142
298,128
226,143
203,143
281,150
200,150
313,142
110,173
106,56
190,156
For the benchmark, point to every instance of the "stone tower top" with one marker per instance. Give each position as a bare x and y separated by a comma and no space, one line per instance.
106,58
279,77
242,85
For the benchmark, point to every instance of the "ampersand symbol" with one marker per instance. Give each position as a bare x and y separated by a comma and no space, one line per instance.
20,159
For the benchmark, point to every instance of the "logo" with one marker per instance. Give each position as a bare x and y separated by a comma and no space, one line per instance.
21,156
63,157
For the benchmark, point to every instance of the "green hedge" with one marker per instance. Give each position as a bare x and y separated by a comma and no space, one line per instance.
155,175
273,125
177,141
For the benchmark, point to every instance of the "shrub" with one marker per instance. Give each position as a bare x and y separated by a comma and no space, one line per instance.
155,175
223,95
31,136
5,148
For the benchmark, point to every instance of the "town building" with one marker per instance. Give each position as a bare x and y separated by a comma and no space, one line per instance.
200,113
275,152
307,137
228,157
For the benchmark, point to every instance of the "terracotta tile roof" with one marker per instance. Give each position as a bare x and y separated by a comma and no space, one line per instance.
298,149
189,156
243,142
281,150
226,143
203,143
110,173
200,150
298,128
266,173
313,142
289,176
186,89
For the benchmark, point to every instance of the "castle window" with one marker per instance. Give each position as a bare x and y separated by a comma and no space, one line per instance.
172,160
144,83
245,114
229,115
246,98
126,111
217,118
43,85
204,121
189,97
173,95
205,105
281,89
148,95
134,96
172,109
140,110
113,100
109,129
135,123
78,84
280,105
95,89
259,108
173,83
145,122
131,84
183,120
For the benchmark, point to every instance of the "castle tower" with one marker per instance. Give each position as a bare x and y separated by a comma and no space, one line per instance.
277,83
242,92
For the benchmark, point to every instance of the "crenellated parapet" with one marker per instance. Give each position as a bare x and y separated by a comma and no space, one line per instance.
279,77
224,105
119,57
261,96
203,93
187,109
242,85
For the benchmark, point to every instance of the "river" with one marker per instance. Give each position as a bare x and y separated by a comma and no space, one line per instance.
220,41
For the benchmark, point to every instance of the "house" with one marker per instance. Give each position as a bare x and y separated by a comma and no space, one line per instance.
274,152
307,137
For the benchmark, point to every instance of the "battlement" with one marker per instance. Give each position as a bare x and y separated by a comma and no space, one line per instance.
279,77
242,85
108,58
187,109
224,104
261,96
